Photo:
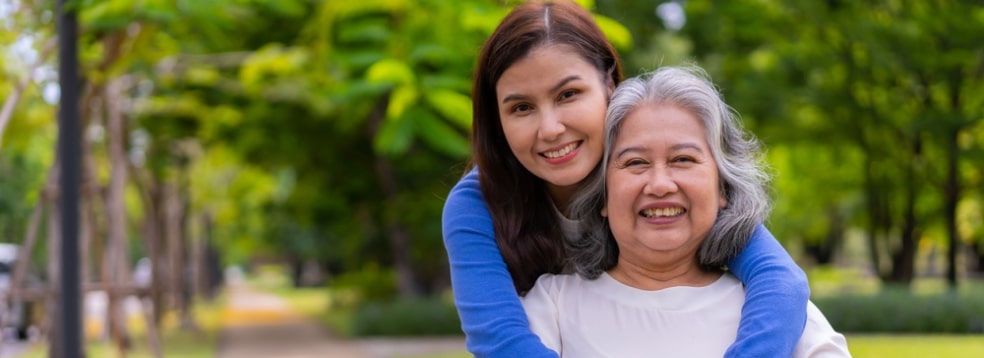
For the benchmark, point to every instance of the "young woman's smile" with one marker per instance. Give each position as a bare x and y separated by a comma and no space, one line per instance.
553,116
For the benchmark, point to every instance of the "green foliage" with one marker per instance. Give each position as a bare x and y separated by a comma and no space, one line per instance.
407,317
21,178
618,35
858,121
371,283
279,115
899,311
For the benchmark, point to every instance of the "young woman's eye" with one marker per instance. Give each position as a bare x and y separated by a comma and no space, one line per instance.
521,108
568,94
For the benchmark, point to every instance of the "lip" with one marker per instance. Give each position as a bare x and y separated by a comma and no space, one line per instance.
564,159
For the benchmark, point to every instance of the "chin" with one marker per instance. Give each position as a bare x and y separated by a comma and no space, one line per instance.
567,180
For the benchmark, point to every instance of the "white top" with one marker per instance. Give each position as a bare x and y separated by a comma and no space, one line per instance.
605,318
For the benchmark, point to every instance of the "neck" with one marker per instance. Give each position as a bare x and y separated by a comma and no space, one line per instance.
650,277
561,196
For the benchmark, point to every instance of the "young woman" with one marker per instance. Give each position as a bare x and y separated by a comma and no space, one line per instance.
542,85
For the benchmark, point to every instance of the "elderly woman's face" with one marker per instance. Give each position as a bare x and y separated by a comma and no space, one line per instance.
662,183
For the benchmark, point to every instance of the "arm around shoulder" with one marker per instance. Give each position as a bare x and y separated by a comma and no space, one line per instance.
492,317
776,296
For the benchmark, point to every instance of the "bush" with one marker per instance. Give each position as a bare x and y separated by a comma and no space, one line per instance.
371,283
895,311
406,317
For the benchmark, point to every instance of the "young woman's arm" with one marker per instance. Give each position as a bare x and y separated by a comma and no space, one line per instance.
776,294
492,316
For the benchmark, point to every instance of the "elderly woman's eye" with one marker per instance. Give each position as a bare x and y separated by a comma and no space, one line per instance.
684,159
630,163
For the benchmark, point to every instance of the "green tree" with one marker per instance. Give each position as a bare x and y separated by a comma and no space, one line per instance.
857,78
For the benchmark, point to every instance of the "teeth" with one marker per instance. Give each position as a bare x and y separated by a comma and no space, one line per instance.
562,152
661,212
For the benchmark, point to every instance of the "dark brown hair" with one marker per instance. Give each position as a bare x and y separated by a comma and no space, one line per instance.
526,228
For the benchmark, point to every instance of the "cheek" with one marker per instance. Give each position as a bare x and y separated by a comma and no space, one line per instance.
619,204
513,135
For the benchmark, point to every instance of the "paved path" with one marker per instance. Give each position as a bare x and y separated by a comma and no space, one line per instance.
258,324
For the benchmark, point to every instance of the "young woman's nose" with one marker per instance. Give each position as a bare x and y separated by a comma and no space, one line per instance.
551,125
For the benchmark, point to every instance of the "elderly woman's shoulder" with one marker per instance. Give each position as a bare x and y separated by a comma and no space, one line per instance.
556,283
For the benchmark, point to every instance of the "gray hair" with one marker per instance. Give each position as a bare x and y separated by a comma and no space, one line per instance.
741,170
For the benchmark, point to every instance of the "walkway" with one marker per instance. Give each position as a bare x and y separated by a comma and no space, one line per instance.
258,324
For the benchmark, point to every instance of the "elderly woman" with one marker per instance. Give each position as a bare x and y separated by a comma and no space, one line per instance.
679,192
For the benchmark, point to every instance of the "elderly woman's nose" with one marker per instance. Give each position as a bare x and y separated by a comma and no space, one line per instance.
660,182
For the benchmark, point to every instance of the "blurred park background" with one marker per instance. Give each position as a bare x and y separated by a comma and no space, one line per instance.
309,146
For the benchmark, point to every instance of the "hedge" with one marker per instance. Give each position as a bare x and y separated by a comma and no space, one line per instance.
894,311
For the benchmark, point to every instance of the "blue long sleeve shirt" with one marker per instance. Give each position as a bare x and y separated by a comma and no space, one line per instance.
495,324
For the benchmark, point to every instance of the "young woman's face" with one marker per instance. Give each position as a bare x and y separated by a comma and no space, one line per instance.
552,106
662,184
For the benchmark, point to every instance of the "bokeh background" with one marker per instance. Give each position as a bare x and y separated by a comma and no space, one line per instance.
310,145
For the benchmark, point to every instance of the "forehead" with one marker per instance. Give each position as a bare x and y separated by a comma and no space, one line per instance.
546,62
652,124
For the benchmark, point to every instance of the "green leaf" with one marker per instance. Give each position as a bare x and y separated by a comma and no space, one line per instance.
452,105
403,97
451,82
107,15
394,138
390,71
438,134
431,54
363,32
619,36
587,4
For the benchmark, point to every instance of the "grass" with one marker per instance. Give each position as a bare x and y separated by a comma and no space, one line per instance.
874,346
174,341
916,346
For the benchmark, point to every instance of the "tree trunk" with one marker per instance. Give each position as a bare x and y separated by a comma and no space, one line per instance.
54,274
30,240
876,216
153,240
196,256
951,196
903,259
823,251
979,255
213,266
93,234
396,234
116,241
174,231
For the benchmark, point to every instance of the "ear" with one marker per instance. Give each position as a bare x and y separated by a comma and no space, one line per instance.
722,201
604,211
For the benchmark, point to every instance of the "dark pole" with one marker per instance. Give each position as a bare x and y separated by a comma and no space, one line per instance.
69,149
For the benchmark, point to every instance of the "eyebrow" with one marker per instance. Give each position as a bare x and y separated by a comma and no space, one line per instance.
675,147
555,88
